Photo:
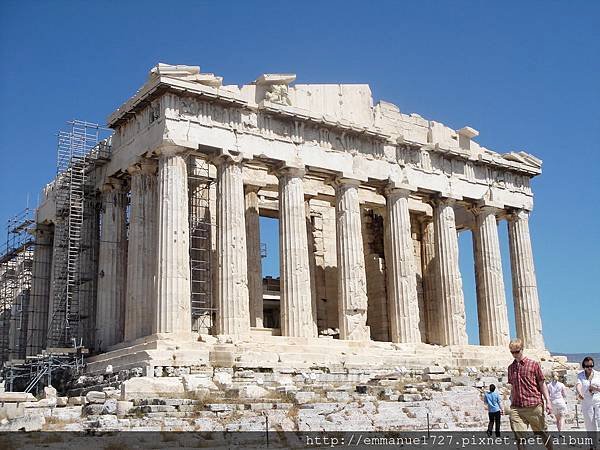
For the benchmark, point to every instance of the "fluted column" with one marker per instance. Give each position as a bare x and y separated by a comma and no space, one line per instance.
352,279
173,309
140,300
525,294
112,268
430,296
403,303
255,287
233,309
491,299
296,304
40,290
452,329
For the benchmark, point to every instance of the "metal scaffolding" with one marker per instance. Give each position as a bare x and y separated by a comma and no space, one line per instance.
201,224
16,261
80,151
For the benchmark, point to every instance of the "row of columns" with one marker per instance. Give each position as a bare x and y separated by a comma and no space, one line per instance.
144,280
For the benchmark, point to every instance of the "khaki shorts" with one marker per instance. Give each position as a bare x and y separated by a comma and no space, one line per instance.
522,418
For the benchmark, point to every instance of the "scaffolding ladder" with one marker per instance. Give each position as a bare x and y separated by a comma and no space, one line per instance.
16,262
78,148
200,223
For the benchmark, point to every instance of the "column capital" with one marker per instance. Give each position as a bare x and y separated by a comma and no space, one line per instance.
253,187
518,214
395,190
345,181
113,184
144,165
222,156
444,200
169,150
290,170
484,210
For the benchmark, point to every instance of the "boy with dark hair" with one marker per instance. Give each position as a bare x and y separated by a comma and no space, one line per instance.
492,400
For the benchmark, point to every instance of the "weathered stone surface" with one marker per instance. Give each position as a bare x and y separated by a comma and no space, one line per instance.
436,377
434,369
95,397
26,423
296,301
233,313
453,329
11,411
252,392
403,302
144,387
49,392
527,305
109,406
93,409
67,414
196,382
352,279
223,379
173,313
10,397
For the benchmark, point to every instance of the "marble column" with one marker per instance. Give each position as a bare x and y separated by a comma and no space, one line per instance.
491,299
296,303
233,307
403,302
255,287
452,330
55,318
525,294
140,301
352,279
112,261
88,260
312,267
40,289
430,292
173,308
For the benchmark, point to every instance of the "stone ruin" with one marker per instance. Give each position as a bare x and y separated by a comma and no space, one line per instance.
370,202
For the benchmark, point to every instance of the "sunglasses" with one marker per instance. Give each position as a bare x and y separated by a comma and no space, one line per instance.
588,367
514,352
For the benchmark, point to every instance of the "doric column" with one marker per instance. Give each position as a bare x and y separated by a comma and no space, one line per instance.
352,279
525,294
173,310
312,269
40,289
491,299
296,304
255,287
403,303
429,269
233,310
110,309
88,263
449,282
140,302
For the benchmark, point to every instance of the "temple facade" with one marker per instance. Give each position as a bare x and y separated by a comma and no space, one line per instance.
369,202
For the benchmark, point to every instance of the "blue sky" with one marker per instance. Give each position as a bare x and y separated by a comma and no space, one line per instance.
525,74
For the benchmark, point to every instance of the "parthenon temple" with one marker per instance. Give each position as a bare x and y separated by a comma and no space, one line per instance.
147,245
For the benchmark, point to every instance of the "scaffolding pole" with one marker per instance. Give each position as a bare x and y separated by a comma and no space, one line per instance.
15,284
79,152
201,225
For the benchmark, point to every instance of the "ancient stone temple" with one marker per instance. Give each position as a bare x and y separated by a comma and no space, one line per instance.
369,202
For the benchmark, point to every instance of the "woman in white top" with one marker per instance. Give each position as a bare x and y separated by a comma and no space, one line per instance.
558,397
588,390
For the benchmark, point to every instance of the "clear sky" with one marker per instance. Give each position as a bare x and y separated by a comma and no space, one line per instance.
525,74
